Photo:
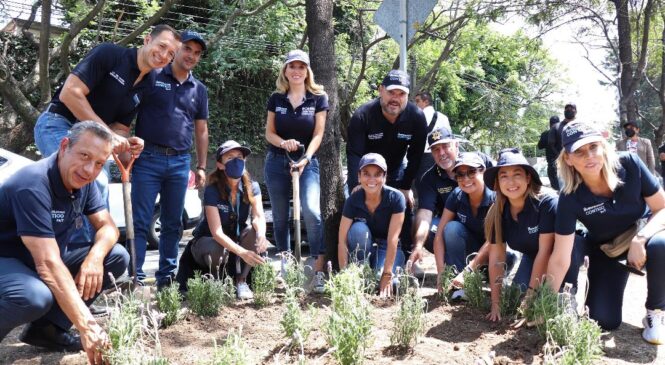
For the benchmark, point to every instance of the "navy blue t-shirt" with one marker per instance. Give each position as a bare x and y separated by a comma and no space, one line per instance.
392,202
296,124
34,202
169,109
227,212
370,131
458,203
606,218
434,187
109,71
537,216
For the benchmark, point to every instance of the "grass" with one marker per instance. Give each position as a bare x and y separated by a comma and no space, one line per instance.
232,352
207,295
474,290
263,283
169,302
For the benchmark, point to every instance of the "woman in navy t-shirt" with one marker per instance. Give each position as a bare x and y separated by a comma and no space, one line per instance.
372,215
609,193
521,218
296,115
228,199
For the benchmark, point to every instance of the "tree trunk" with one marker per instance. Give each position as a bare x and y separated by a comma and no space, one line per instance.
322,54
44,38
660,131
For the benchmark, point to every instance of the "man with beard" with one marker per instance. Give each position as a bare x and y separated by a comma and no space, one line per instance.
174,108
394,128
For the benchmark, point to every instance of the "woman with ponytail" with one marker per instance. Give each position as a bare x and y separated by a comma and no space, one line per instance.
222,239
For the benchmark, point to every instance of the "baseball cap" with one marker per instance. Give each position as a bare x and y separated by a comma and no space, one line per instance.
576,134
297,55
231,145
440,135
373,159
470,159
397,79
190,35
511,157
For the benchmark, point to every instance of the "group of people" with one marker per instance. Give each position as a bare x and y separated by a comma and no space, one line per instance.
59,245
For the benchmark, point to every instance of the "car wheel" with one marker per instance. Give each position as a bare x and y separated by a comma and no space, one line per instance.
155,231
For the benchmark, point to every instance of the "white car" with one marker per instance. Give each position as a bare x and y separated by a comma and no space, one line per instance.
11,162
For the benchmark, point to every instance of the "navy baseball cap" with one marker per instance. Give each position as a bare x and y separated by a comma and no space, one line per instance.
373,159
470,159
190,35
297,55
441,135
511,157
231,145
576,134
397,79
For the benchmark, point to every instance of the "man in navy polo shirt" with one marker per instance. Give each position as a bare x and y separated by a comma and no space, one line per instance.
395,128
175,106
106,87
43,281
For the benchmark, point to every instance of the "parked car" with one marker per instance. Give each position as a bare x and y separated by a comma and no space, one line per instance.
11,162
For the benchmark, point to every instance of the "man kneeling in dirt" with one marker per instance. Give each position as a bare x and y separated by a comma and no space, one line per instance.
42,282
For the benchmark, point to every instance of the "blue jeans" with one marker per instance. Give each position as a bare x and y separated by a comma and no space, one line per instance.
460,243
25,298
523,274
278,180
153,174
607,282
49,130
361,243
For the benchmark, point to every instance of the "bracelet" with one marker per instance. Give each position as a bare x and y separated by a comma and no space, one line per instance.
201,168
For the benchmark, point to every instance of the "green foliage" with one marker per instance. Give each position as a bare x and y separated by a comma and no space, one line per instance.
409,322
295,274
349,325
169,302
232,352
542,306
572,340
295,324
207,295
263,283
446,279
474,290
511,295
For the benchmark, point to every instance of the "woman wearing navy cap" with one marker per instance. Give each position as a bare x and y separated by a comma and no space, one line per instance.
462,226
228,198
296,115
373,214
609,194
522,218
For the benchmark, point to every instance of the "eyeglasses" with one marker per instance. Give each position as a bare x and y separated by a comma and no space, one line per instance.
470,173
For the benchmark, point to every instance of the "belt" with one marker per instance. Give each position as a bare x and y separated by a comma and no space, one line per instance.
163,150
60,110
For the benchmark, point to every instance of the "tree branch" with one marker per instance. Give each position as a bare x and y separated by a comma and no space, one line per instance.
212,43
44,37
74,30
152,20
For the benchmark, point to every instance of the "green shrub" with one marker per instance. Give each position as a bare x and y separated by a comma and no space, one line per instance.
295,274
263,283
409,322
572,340
446,279
169,302
542,306
511,295
232,352
207,295
474,290
295,324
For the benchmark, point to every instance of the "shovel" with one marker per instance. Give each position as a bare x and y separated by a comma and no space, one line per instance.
129,221
295,180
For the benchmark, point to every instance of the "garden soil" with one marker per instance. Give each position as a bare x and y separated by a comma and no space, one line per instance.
454,334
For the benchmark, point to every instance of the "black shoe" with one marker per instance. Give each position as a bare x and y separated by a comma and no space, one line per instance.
98,310
163,285
51,337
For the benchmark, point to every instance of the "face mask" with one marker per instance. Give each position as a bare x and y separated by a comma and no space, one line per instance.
629,133
234,168
569,114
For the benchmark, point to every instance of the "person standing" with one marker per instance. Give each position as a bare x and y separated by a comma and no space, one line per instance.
43,281
435,120
296,116
633,143
174,108
554,137
550,154
395,128
106,87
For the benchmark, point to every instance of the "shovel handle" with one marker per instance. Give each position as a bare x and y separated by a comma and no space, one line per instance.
124,170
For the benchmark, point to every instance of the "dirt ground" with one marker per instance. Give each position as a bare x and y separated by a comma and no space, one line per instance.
454,334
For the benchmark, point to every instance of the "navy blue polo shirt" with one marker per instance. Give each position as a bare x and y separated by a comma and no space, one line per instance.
458,203
434,187
606,218
296,123
35,202
227,212
537,216
169,109
370,131
392,202
109,71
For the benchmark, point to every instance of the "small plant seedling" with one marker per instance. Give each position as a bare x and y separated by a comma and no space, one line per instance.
446,279
295,324
572,340
263,283
511,295
232,352
542,306
295,274
207,295
409,321
473,289
169,302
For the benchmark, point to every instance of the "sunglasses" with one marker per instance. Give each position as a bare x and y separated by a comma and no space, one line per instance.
470,173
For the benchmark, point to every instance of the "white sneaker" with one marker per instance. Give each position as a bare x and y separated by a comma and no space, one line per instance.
654,327
319,285
243,291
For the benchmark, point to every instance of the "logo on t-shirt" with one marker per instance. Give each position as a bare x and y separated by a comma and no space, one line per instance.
532,230
445,190
462,217
58,216
280,110
223,208
404,136
164,85
308,110
117,77
598,208
375,136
